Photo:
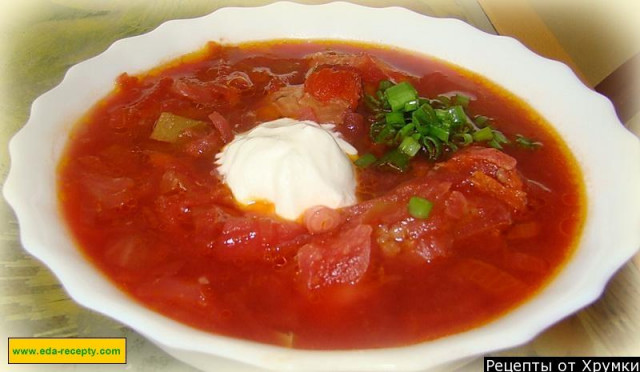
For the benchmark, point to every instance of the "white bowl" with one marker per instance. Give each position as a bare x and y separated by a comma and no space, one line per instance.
608,155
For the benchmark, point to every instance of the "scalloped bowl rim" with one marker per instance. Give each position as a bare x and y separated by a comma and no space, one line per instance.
549,87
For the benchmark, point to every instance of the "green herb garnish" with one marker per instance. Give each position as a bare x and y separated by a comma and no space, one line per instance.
365,160
395,160
527,142
411,124
419,207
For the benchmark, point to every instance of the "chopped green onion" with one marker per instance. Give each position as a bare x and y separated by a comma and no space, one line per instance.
409,146
411,105
386,134
372,102
398,95
462,139
444,100
498,139
433,147
452,146
443,115
394,118
440,133
365,160
376,128
462,100
395,160
495,144
457,114
384,85
484,134
423,116
429,114
527,142
419,207
409,123
405,131
481,120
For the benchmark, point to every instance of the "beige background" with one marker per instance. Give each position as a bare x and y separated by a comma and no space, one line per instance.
41,39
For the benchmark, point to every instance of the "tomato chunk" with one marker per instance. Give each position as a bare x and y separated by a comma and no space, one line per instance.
258,238
330,83
342,259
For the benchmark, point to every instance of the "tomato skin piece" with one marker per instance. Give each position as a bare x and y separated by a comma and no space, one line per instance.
330,83
222,125
341,259
256,238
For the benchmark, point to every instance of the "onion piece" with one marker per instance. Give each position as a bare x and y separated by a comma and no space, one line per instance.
320,219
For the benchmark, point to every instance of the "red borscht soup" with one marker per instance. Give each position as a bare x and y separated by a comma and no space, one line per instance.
467,201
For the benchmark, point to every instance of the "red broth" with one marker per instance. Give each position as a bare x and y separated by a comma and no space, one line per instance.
158,221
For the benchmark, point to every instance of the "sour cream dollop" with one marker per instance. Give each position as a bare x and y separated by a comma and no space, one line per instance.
292,164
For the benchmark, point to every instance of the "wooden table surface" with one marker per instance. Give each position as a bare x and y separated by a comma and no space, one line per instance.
41,39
